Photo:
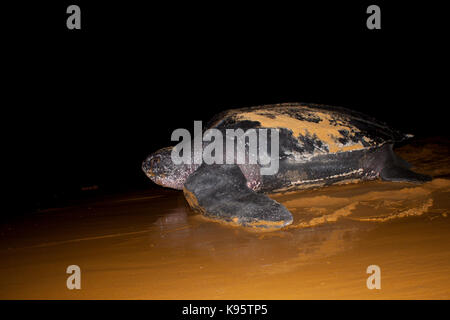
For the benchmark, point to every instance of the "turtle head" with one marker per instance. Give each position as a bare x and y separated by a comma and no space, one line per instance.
161,170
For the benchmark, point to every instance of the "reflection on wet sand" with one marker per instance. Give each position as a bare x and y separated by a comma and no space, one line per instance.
151,246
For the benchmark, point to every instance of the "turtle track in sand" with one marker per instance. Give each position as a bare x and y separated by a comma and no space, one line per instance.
373,201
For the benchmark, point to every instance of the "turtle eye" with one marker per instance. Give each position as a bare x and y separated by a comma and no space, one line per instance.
154,161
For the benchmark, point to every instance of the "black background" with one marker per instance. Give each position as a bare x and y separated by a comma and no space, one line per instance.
85,107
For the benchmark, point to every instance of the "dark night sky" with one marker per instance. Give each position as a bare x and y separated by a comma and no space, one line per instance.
88,106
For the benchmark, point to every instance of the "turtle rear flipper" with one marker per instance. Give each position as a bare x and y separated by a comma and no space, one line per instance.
399,161
402,174
220,192
396,169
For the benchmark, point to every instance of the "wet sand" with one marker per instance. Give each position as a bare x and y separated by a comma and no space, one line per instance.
150,245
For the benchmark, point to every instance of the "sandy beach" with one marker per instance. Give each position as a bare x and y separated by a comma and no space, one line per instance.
150,245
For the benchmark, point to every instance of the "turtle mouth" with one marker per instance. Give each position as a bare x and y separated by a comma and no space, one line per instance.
146,167
149,173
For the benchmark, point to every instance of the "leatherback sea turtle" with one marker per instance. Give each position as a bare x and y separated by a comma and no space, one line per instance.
318,146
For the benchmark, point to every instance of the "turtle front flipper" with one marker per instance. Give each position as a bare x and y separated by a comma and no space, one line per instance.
220,192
